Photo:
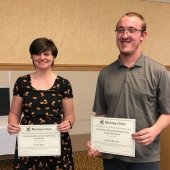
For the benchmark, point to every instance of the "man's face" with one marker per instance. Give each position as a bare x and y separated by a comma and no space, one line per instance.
129,35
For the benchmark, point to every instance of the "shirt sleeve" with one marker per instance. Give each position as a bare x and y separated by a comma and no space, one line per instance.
164,93
100,106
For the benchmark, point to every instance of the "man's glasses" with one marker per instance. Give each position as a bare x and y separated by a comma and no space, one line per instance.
129,30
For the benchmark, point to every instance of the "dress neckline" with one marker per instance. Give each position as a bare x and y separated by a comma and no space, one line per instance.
29,76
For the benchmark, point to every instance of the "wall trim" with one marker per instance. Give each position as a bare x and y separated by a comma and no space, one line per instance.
57,67
168,67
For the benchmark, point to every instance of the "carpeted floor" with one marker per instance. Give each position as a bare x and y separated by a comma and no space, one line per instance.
82,162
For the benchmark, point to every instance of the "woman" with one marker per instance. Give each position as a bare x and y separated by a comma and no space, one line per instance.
43,97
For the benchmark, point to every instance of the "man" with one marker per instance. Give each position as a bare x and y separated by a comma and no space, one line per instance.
134,87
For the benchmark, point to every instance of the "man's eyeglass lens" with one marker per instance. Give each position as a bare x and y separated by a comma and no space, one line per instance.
130,30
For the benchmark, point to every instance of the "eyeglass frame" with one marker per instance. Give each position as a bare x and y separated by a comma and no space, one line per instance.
129,30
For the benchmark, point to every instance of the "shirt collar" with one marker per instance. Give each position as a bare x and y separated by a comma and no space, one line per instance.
138,63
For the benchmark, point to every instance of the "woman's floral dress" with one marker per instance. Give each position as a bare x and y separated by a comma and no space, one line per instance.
44,107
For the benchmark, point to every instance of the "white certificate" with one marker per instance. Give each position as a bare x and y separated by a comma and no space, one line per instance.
39,140
113,135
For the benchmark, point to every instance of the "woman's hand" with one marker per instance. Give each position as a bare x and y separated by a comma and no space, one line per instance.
65,126
13,128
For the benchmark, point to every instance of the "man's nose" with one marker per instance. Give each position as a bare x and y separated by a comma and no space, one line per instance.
125,33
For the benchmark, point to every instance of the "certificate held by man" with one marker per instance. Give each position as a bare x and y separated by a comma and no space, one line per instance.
39,140
113,135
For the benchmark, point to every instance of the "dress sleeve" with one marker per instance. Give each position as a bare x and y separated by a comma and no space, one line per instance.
67,89
18,89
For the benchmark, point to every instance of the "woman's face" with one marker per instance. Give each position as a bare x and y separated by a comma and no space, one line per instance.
43,60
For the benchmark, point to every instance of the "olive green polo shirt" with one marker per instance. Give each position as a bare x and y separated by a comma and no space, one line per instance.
141,92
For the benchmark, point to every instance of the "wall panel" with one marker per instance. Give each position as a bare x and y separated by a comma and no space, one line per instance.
83,84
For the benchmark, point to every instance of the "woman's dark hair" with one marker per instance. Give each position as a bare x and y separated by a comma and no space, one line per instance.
40,45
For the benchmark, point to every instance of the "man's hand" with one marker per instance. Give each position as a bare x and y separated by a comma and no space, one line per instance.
92,152
145,136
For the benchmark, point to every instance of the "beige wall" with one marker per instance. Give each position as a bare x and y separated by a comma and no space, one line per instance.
82,29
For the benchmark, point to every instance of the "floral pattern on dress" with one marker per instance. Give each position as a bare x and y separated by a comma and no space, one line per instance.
44,107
